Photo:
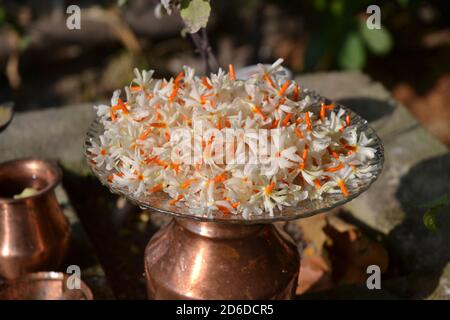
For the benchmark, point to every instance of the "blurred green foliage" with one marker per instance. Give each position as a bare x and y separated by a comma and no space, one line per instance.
429,218
340,36
2,15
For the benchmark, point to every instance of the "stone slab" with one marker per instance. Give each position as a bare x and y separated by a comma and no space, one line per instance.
55,133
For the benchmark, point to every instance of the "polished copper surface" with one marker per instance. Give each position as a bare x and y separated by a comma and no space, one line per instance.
188,259
34,232
43,286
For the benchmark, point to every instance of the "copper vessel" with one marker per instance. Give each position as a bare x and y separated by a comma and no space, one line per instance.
43,286
190,259
228,256
34,232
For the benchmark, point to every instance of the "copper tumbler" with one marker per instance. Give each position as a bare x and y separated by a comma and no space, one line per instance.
34,232
191,259
43,286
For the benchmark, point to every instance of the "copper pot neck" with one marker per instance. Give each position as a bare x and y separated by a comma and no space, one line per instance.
219,230
32,173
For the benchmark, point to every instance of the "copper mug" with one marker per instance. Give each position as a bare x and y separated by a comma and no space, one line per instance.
34,233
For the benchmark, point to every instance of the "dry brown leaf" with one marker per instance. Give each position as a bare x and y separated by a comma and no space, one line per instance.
351,252
314,274
315,269
312,229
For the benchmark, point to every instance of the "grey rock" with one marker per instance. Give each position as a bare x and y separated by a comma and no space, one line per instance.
442,291
54,133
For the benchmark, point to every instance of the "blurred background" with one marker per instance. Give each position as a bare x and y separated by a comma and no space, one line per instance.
43,64
58,74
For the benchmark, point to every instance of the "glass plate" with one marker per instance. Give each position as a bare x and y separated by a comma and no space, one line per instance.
160,201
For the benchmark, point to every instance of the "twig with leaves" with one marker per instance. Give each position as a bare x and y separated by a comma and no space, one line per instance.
195,15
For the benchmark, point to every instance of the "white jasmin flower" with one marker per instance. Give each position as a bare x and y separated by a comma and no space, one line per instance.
151,144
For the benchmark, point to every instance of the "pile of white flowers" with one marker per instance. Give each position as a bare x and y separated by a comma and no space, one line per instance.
149,142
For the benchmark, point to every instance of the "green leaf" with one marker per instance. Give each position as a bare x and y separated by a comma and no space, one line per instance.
6,114
403,3
379,41
27,192
195,14
315,50
320,4
443,201
352,54
24,42
429,219
2,16
337,8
